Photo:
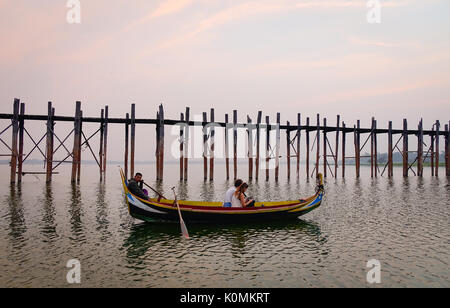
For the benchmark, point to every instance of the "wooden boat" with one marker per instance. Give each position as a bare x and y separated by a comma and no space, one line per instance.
159,209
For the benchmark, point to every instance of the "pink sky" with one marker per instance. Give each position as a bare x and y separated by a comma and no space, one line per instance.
283,56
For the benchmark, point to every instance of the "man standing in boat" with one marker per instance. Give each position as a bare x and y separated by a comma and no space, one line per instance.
135,186
231,191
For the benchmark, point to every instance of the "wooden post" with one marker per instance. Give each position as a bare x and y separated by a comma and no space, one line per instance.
355,141
49,143
288,149
212,146
105,141
390,152
325,160
235,143
15,131
227,148
132,138
186,145
358,149
157,129
307,148
76,142
420,149
267,147
299,123
277,148
100,152
343,150
21,129
205,147
337,146
127,120
181,145
375,148
447,149
405,148
79,148
437,148
371,148
432,151
318,145
250,148
161,142
258,135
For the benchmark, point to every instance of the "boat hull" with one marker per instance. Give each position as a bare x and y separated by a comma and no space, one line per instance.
153,211
214,212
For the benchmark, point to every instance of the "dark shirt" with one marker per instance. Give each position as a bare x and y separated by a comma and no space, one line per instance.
136,189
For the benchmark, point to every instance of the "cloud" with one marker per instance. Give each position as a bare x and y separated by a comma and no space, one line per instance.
363,42
166,8
239,10
402,86
248,9
22,40
170,7
224,16
347,4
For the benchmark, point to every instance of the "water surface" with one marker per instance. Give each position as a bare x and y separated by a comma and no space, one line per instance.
402,222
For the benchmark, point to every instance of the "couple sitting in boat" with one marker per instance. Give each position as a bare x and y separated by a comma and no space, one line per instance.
235,196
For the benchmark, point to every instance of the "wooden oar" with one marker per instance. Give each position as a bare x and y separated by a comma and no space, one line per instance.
159,194
183,226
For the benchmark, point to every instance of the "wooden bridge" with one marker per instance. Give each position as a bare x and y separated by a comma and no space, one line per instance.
324,152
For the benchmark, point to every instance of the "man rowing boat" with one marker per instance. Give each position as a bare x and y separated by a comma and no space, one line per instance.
135,186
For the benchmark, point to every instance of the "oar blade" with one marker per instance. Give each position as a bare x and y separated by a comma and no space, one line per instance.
184,230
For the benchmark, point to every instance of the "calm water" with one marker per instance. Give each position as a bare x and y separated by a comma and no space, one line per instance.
404,223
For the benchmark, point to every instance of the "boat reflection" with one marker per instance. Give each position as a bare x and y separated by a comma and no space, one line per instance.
144,236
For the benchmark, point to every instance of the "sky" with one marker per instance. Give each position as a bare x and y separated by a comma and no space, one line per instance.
287,56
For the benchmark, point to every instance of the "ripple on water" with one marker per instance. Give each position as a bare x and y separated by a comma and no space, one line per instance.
402,223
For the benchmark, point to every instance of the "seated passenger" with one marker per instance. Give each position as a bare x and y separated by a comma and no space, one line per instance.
230,192
135,186
239,200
